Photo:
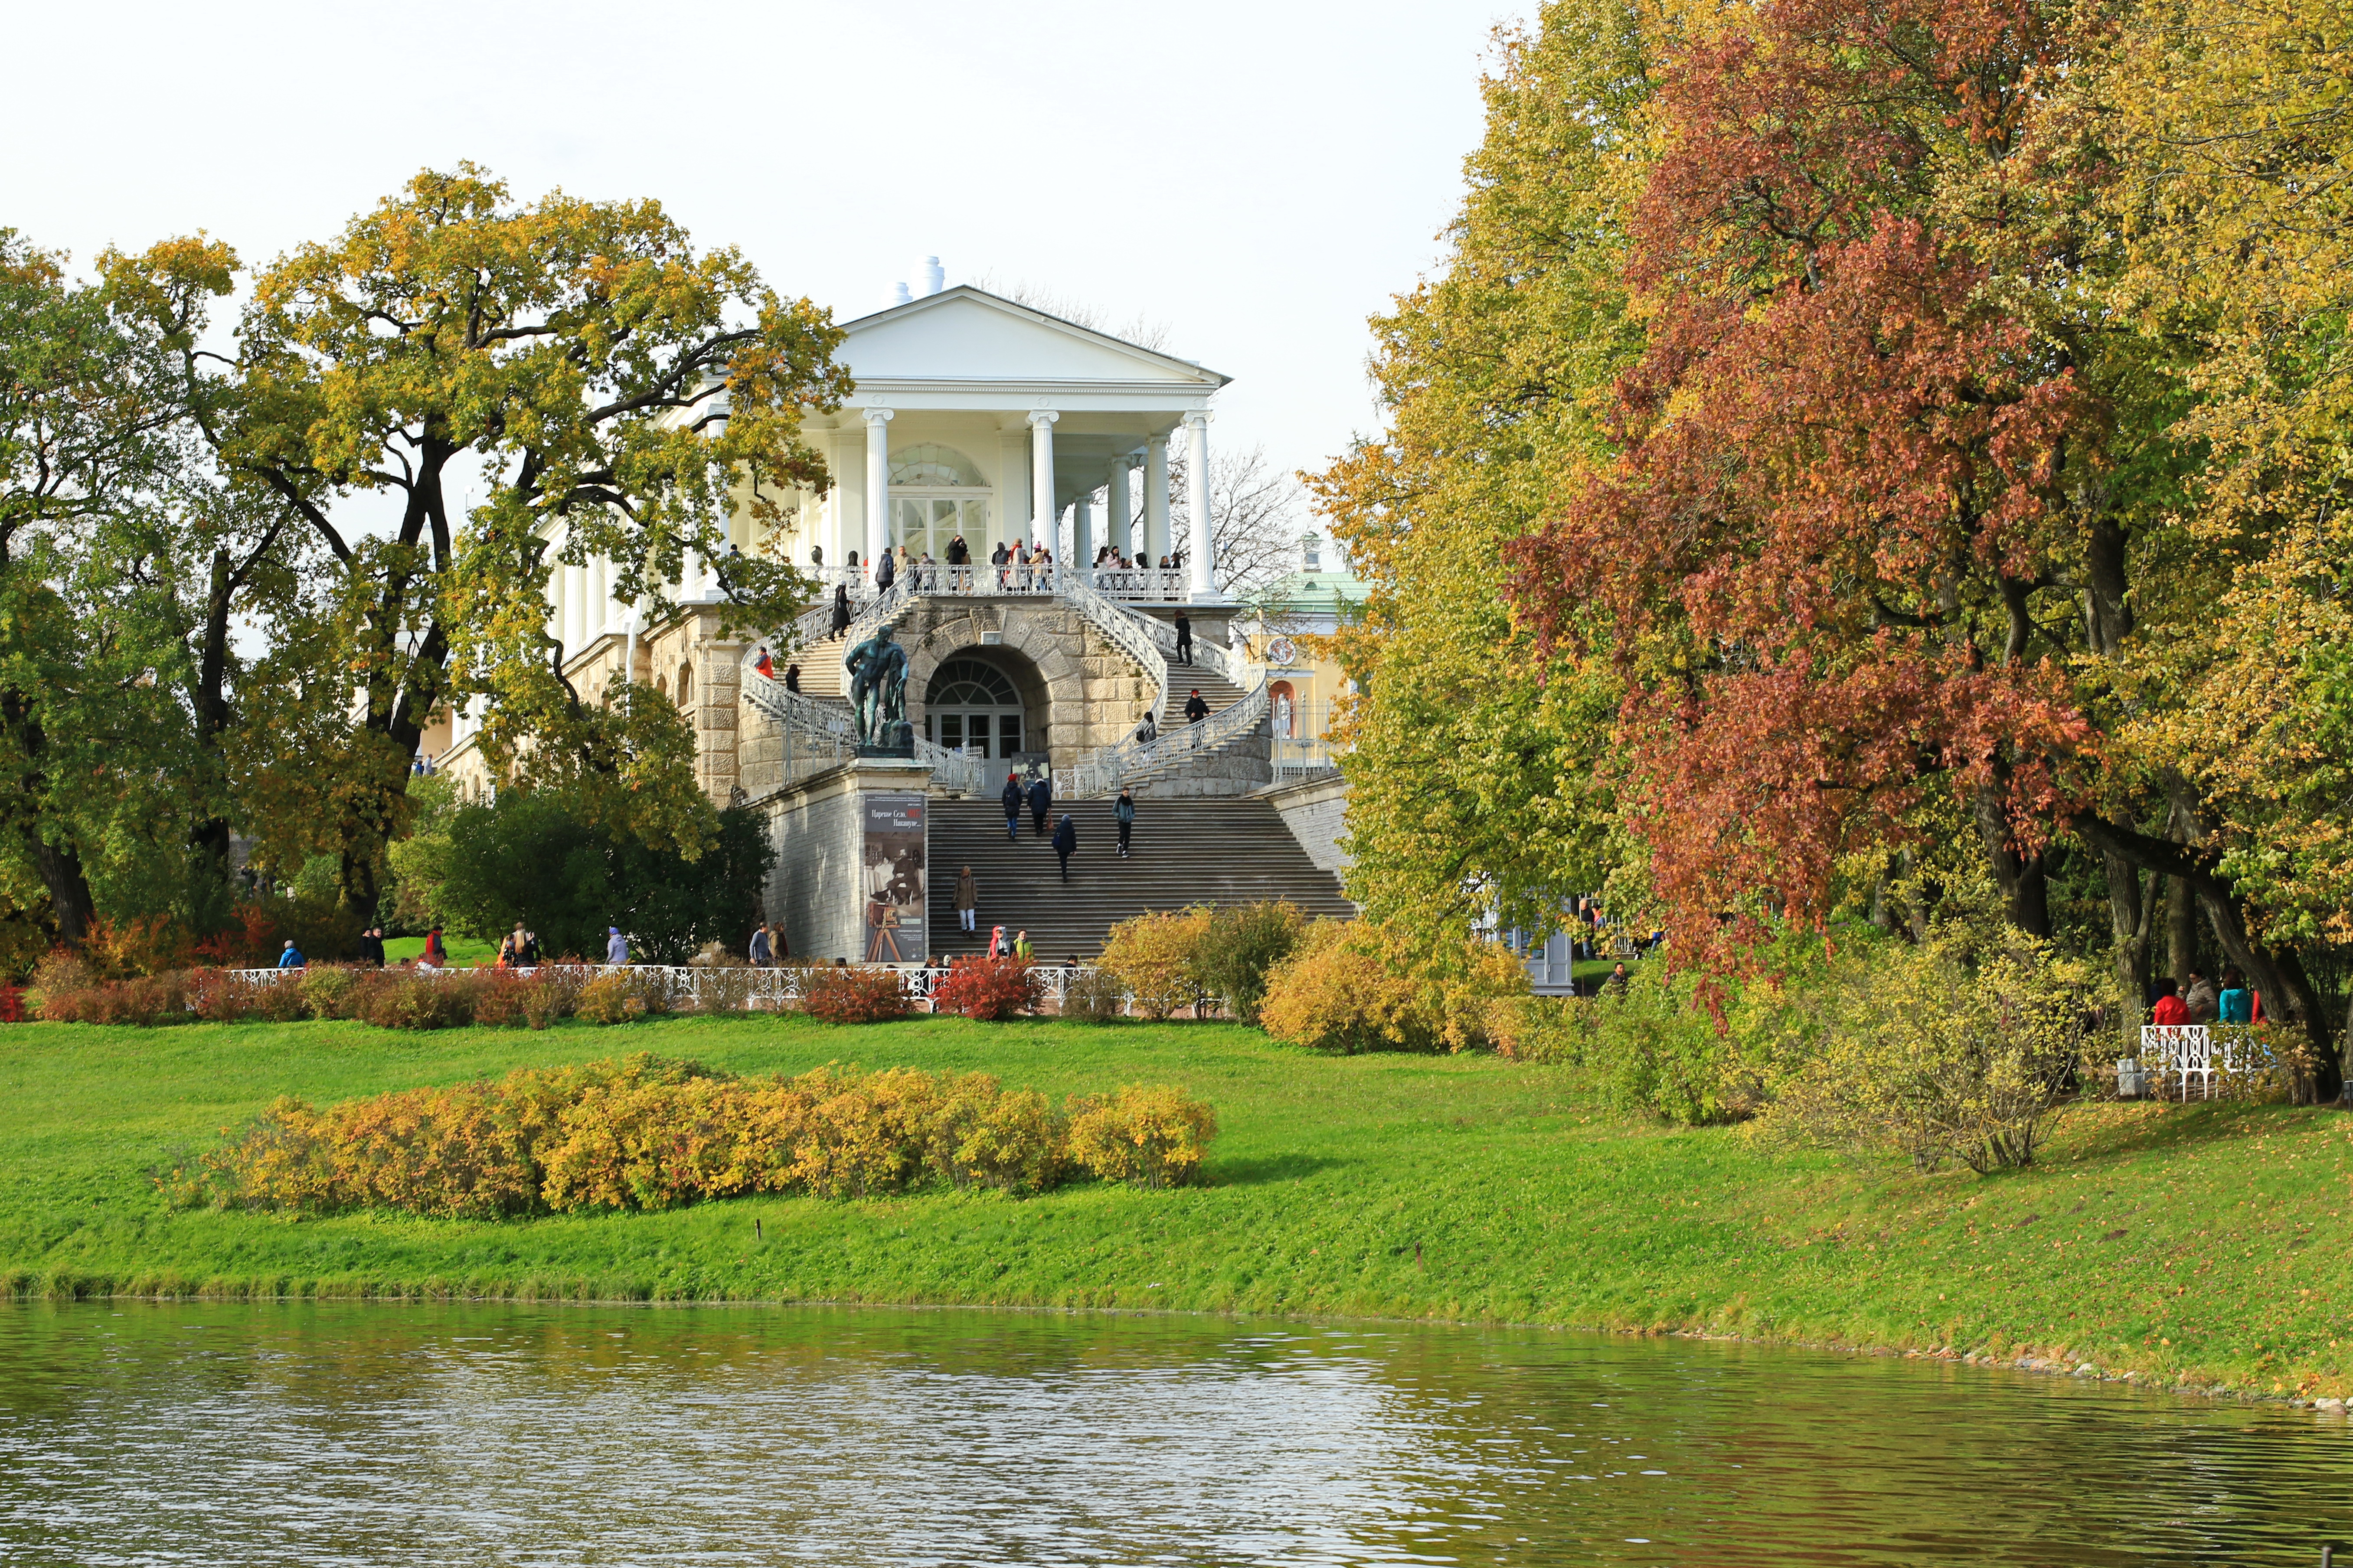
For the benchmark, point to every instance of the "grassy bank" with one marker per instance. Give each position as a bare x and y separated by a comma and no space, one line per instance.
2182,1244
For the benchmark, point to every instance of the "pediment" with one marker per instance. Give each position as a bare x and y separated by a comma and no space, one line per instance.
963,334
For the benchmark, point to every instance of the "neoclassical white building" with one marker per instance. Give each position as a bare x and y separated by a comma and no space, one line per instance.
971,414
976,417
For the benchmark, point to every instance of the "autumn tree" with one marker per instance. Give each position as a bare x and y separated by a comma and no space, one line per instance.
2232,232
1480,775
1895,499
608,390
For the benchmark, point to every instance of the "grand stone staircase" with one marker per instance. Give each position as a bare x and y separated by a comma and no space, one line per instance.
1186,852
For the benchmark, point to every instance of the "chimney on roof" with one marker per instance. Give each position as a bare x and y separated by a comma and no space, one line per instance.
933,275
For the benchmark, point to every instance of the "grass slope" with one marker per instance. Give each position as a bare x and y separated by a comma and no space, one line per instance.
2182,1242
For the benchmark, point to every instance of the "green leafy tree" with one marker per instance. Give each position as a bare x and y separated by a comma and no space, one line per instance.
607,389
91,734
1479,774
541,859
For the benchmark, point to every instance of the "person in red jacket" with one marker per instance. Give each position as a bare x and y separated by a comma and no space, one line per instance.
2169,1008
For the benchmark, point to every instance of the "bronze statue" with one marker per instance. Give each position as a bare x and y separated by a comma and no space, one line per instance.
877,669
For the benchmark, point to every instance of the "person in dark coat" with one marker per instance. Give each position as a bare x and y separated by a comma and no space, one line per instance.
1183,637
885,573
841,616
1196,710
1012,800
959,553
792,677
1124,813
1041,800
1066,839
371,946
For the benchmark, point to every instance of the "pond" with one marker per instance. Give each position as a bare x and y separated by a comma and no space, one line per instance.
349,1434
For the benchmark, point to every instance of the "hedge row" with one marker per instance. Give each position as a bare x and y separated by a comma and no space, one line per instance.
647,1133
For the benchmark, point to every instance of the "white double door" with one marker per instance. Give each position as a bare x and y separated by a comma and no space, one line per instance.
989,732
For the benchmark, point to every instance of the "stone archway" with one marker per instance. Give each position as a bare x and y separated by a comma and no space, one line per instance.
1078,690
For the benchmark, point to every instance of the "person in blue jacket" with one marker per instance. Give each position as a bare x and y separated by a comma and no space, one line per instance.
2236,1005
292,958
1012,800
1124,813
1066,839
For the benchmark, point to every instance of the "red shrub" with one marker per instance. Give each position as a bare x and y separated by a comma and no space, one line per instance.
992,989
249,939
854,996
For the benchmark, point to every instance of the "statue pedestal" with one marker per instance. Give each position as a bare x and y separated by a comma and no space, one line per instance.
853,863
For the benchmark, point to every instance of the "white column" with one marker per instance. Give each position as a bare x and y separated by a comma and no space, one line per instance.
1082,534
877,484
1197,488
576,611
1118,530
849,521
1155,498
1042,509
600,603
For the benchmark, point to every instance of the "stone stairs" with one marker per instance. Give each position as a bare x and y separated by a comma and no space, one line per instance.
1212,851
1184,680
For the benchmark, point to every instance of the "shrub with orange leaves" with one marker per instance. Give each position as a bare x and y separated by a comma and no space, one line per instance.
854,996
645,1133
991,989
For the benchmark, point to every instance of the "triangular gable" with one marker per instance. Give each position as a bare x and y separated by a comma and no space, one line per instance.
965,334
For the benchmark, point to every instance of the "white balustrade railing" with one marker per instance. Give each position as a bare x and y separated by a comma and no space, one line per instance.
731,987
1107,771
1129,631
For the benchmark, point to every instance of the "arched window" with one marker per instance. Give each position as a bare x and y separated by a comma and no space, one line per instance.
685,684
932,466
973,706
960,680
936,494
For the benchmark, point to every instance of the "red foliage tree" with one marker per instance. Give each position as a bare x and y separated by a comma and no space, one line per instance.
1843,457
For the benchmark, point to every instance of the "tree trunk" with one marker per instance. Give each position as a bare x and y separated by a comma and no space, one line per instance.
2180,931
2132,910
210,836
59,866
70,900
2023,879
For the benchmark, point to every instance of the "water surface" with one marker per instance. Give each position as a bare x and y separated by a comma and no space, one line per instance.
353,1434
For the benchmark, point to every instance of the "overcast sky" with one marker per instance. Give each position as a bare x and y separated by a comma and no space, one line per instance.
1257,175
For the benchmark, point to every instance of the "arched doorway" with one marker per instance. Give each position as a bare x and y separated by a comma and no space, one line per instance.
971,704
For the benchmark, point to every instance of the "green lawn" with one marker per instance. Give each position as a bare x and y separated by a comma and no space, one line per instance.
464,951
2178,1242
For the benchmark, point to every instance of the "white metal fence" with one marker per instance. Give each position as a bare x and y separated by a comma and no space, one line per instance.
732,988
2176,1058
